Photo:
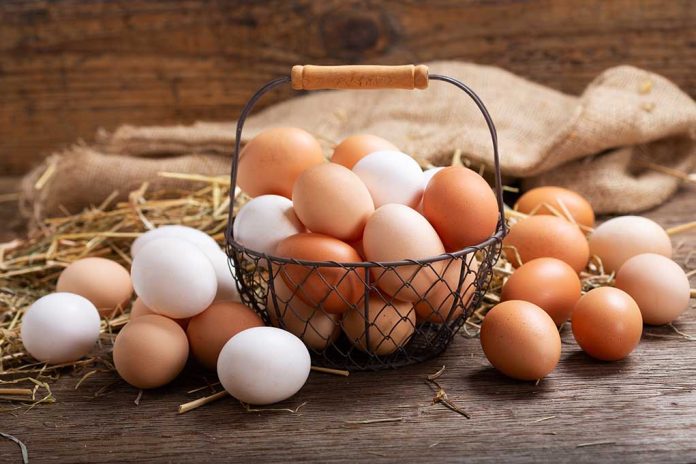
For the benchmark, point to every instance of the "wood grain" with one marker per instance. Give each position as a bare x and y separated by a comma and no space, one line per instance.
642,409
69,67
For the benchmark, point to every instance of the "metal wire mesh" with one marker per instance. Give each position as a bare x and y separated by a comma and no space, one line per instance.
367,315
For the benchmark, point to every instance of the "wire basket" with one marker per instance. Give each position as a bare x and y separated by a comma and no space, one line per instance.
436,295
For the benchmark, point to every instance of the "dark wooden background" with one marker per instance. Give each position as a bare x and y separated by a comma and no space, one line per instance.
69,67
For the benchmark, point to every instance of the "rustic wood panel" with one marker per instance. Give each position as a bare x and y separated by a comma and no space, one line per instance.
642,409
68,67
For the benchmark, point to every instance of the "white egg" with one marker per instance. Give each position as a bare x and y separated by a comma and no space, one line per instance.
202,240
226,281
174,278
263,365
60,327
621,238
427,175
265,221
391,177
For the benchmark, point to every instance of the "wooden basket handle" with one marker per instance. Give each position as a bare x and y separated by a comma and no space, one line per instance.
309,77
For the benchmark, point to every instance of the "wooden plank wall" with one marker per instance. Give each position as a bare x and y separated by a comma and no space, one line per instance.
69,67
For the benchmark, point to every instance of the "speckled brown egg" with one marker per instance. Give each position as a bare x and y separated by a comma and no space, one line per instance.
105,283
209,331
354,148
150,351
520,340
552,200
549,283
546,236
272,161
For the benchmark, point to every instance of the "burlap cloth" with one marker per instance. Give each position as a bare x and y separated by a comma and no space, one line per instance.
591,144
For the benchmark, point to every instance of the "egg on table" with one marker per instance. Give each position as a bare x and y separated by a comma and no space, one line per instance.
273,160
265,221
313,326
390,325
549,283
623,237
546,237
520,340
150,351
391,177
174,278
354,148
105,283
330,199
461,207
553,200
657,284
607,323
285,360
60,328
396,232
436,304
208,331
334,288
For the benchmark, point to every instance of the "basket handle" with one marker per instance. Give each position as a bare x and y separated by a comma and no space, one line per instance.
310,77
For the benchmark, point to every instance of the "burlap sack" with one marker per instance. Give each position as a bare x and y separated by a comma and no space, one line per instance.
588,143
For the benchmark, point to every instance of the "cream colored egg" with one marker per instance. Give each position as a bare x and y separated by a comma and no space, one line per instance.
264,222
391,177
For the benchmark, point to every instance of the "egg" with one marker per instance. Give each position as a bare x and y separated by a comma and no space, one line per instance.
140,309
174,278
312,325
105,283
334,288
199,238
520,340
273,160
150,351
264,221
224,274
563,201
330,199
396,232
283,356
546,237
607,323
391,177
390,325
657,284
427,175
549,283
436,305
60,328
354,148
208,331
461,207
623,237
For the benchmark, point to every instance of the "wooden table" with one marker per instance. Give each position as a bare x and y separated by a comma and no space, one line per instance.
640,409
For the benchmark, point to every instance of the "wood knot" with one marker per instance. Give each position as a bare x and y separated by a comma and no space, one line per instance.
352,34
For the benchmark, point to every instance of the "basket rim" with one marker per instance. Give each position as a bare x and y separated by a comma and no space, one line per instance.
499,234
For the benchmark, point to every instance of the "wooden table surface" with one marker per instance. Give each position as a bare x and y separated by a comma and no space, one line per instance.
640,409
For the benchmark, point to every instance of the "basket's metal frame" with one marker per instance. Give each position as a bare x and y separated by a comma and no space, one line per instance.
240,256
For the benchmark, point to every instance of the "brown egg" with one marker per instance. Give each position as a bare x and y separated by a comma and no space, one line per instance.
334,288
150,351
105,283
312,325
461,206
272,161
520,340
209,331
140,309
391,326
549,283
436,306
658,285
538,200
354,148
547,236
607,323
331,199
396,232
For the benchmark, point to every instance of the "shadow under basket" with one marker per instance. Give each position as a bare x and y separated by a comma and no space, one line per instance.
367,315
